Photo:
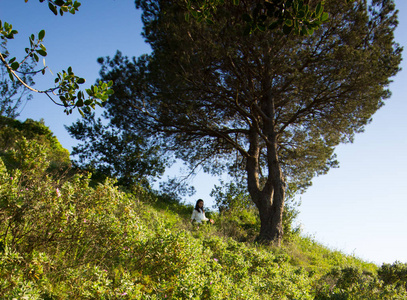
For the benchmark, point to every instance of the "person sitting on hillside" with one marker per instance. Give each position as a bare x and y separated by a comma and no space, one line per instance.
198,214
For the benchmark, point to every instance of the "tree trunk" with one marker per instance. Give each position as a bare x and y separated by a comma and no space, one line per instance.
271,218
270,199
270,203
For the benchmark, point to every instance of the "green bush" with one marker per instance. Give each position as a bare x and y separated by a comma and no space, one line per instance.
395,273
353,283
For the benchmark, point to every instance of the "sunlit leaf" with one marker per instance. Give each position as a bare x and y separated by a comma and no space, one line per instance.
324,17
41,34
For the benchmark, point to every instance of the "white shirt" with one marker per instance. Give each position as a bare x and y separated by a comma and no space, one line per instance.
198,216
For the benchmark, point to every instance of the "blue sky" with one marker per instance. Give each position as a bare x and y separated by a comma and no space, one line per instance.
359,208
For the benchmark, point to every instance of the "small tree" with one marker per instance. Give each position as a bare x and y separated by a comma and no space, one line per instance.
110,152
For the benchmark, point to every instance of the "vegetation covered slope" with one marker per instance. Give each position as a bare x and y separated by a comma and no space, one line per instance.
64,239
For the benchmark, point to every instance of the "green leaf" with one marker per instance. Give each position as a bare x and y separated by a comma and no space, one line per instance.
10,75
15,66
41,34
236,2
324,17
79,103
289,23
41,52
300,4
194,14
318,10
53,8
301,14
316,24
81,80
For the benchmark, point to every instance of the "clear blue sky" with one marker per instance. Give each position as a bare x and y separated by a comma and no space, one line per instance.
359,208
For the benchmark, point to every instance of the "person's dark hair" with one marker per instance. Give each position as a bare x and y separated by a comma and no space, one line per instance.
197,207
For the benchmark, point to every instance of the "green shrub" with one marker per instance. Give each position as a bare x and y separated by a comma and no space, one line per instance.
395,273
353,283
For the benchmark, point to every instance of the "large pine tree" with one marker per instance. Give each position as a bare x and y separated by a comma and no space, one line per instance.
269,105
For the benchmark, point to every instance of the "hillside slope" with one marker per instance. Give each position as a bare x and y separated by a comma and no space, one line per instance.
61,238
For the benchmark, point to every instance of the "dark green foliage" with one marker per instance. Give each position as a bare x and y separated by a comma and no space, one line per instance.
267,105
297,16
395,273
353,283
107,151
64,6
110,146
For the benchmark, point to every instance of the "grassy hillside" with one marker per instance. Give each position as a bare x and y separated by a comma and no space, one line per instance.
62,238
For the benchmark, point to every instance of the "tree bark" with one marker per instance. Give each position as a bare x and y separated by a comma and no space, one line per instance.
270,203
270,199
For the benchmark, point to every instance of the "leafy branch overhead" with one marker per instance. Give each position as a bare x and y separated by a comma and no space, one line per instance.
67,84
297,16
64,6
